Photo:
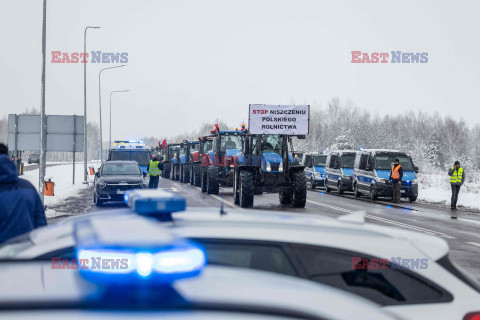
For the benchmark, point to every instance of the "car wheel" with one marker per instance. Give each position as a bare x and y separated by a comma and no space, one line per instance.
373,193
327,188
340,190
312,183
246,189
356,193
299,190
413,198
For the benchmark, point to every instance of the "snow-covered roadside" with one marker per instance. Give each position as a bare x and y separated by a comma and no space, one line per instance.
435,188
61,175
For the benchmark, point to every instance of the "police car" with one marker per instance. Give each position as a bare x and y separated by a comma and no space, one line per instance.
126,266
372,172
339,170
407,273
314,169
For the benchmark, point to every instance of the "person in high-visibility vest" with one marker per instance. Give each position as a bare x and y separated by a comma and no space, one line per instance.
154,172
396,175
457,177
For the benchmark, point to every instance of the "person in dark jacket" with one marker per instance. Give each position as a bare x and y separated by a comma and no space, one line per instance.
20,207
396,175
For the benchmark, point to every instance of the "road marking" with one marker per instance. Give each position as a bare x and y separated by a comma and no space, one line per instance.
225,201
474,243
400,224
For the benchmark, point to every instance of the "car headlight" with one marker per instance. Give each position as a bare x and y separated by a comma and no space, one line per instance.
102,184
322,175
268,166
280,167
382,180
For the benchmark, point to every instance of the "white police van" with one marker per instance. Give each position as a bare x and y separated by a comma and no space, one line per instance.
346,253
339,170
371,174
314,164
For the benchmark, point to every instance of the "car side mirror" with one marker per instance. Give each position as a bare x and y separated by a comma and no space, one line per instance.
416,169
144,174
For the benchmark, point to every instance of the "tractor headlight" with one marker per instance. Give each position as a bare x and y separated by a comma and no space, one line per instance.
280,167
268,166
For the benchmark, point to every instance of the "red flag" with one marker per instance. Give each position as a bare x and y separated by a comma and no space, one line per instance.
164,144
216,128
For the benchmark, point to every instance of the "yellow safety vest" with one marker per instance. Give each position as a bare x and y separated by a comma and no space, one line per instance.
457,175
153,169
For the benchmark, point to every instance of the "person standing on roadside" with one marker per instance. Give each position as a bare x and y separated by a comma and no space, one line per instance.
457,178
396,175
21,210
154,172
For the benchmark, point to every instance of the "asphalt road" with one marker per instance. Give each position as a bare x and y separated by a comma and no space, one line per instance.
462,234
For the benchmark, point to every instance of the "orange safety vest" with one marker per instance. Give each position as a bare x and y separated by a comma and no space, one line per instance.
395,173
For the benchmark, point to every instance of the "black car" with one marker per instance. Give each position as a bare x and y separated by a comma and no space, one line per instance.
114,178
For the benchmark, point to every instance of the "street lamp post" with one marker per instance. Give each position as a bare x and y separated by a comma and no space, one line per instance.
111,113
85,172
100,107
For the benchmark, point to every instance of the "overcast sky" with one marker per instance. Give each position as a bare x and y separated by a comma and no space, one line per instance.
195,61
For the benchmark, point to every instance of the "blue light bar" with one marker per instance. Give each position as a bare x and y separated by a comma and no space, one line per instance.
159,265
154,202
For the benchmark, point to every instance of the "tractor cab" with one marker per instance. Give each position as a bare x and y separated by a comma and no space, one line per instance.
168,156
225,145
199,159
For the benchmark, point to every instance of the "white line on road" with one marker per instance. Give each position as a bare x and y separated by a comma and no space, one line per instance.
400,224
474,243
225,201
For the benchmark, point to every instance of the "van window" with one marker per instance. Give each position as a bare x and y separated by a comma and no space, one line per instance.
385,161
363,161
333,161
347,160
319,160
308,160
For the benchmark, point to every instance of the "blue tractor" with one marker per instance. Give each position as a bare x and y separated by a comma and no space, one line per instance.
266,164
186,159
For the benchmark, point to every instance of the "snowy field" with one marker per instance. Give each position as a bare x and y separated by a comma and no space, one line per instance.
435,188
61,175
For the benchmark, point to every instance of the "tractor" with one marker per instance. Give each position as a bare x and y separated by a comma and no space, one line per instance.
168,155
199,160
186,150
217,163
266,164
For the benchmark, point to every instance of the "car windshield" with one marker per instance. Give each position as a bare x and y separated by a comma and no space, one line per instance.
231,142
207,145
319,161
347,160
120,169
385,161
141,157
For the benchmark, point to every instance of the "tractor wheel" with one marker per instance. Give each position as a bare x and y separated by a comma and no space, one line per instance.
172,173
299,190
212,180
185,174
197,182
203,179
286,197
246,189
190,173
236,189
180,173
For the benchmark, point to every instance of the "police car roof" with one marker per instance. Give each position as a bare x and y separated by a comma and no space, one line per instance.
348,233
342,151
228,289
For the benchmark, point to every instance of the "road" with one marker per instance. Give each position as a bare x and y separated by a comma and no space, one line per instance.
462,234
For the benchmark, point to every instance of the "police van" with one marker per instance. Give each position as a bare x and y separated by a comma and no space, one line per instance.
339,170
314,164
371,174
130,150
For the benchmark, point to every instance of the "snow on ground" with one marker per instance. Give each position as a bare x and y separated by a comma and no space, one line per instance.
61,175
435,187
